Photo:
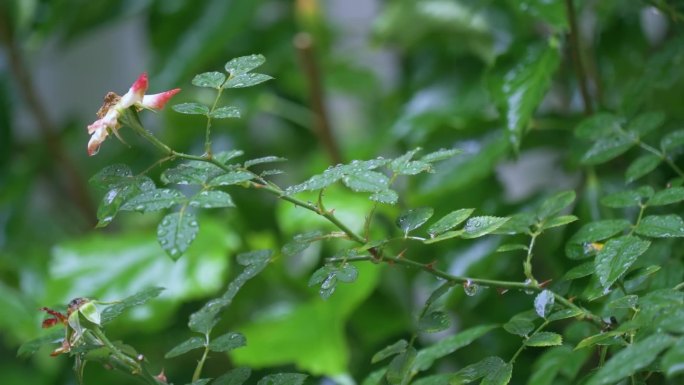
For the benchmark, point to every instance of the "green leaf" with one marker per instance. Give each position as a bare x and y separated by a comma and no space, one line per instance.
176,231
389,351
244,64
564,314
668,196
673,358
544,339
518,224
283,379
227,342
191,173
140,298
604,338
672,140
474,371
262,160
501,376
236,376
427,356
593,232
191,109
433,322
524,87
583,270
597,126
347,273
642,166
479,226
631,359
121,190
29,348
414,218
112,176
400,366
609,147
449,221
386,196
631,198
552,13
543,303
185,346
511,247
646,122
154,200
520,324
225,112
555,204
366,181
209,79
558,221
246,80
626,302
403,165
439,155
301,242
616,257
661,226
90,312
209,199
232,178
201,381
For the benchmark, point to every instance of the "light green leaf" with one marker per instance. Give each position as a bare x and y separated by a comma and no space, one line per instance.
191,173
186,346
609,147
668,196
438,155
301,242
246,80
642,166
597,126
630,198
191,109
389,351
543,303
626,302
631,359
616,257
414,218
283,379
479,226
232,178
403,165
511,247
176,231
558,221
449,221
544,339
501,376
427,356
576,248
583,270
227,342
555,204
672,140
386,196
262,160
137,299
400,366
646,122
225,112
564,314
209,199
604,338
661,226
433,322
236,376
347,273
121,189
209,79
154,200
244,64
474,371
366,181
521,324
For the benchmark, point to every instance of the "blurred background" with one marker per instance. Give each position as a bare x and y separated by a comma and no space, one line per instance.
382,77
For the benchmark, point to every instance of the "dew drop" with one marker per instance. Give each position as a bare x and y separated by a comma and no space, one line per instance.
528,282
193,223
470,288
140,208
174,252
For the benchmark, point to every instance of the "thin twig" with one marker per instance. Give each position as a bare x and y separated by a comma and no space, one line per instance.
577,59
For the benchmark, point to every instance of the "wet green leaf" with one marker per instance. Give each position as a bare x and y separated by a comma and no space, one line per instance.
403,165
389,351
511,247
400,366
661,226
667,196
176,231
433,322
347,273
642,166
366,181
236,376
646,122
558,221
209,199
672,360
449,221
475,371
609,147
283,379
427,356
232,178
301,242
186,346
225,112
544,339
564,314
617,256
386,196
244,64
521,324
209,79
414,218
580,271
478,226
626,302
227,342
555,204
672,140
631,359
597,126
154,200
439,155
137,299
500,376
191,109
246,80
543,303
121,190
630,198
262,160
191,173
576,248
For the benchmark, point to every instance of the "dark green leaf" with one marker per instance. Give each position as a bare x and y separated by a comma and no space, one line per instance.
201,381
433,322
386,196
661,226
137,299
265,159
246,80
616,257
578,245
225,112
321,275
604,338
366,181
544,339
414,218
583,270
597,126
237,376
642,166
558,221
668,196
328,286
609,147
209,199
511,247
644,123
631,359
154,200
555,204
176,232
543,303
31,347
347,273
222,157
283,379
191,173
209,79
121,190
501,376
400,366
186,346
191,109
112,176
672,140
389,351
426,357
227,342
231,178
475,371
518,224
244,64
520,324
630,198
449,221
564,314
442,154
673,359
318,182
479,226
626,302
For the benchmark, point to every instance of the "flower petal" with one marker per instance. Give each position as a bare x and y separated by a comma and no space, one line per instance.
157,101
96,140
135,93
